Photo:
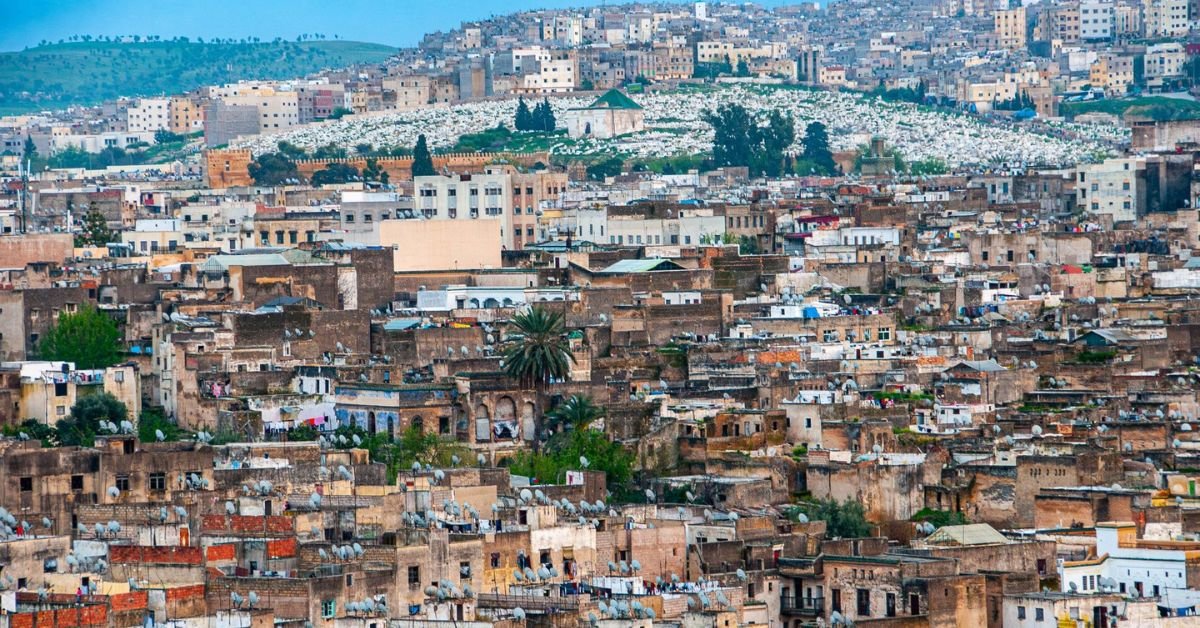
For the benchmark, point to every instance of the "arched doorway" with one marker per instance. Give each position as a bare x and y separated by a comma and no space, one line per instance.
391,427
418,423
371,422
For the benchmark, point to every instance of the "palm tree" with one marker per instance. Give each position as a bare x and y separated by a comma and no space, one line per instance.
538,351
575,413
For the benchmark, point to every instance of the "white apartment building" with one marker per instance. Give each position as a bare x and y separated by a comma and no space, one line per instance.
148,115
467,197
1113,187
1164,61
1139,568
688,228
1097,20
1165,18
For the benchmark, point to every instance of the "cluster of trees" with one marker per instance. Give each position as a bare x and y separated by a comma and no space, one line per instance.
541,118
845,520
105,68
725,67
1020,101
153,38
902,94
739,139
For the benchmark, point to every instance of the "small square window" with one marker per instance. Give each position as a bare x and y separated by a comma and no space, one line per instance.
27,484
122,482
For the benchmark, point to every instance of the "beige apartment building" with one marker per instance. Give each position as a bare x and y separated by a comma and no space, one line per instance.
1010,28
187,115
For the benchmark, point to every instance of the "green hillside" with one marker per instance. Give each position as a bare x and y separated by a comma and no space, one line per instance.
83,73
1152,107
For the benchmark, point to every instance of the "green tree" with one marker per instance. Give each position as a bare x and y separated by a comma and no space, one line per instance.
87,337
774,141
95,231
290,150
372,171
274,169
329,151
816,149
30,150
422,165
163,136
338,113
523,120
565,451
335,173
743,69
846,520
32,429
543,117
610,167
574,413
738,139
80,427
733,130
152,421
537,351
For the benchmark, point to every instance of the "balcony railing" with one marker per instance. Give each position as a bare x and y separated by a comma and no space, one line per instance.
802,605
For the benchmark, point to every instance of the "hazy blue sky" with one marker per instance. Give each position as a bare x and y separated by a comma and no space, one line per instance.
394,22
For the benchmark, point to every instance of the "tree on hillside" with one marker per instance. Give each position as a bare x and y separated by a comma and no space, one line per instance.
816,149
79,429
273,169
95,231
422,165
523,120
87,337
774,141
335,173
738,140
543,117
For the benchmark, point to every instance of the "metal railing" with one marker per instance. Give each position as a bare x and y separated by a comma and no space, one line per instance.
802,605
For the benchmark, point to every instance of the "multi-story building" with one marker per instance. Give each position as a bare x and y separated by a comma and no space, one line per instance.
1114,188
1165,18
1010,28
1096,20
149,115
187,115
1164,62
467,197
1112,72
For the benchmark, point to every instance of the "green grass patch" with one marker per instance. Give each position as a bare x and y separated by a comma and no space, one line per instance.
1153,107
